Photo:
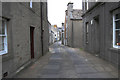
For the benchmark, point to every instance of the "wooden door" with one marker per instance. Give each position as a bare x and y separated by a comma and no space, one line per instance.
32,41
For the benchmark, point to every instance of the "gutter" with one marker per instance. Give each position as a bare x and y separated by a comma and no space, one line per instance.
97,4
75,19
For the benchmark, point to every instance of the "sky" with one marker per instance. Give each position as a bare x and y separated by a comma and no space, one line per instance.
56,10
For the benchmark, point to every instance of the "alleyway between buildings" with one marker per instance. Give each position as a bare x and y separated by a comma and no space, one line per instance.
66,62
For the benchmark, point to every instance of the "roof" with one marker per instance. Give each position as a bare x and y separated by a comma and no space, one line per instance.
69,3
76,14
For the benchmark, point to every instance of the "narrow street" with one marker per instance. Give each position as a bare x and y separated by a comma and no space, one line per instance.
66,62
59,39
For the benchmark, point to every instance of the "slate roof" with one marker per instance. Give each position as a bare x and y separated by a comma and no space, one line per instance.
76,14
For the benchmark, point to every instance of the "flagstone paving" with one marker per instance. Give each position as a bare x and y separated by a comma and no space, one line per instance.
66,62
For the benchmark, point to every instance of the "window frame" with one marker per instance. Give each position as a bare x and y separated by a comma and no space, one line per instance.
87,31
5,51
87,4
96,0
31,4
114,31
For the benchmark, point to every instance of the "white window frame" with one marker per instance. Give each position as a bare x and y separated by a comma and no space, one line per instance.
91,21
87,4
114,33
31,4
96,0
5,39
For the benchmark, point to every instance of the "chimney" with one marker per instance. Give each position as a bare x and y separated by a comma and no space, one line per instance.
62,24
70,6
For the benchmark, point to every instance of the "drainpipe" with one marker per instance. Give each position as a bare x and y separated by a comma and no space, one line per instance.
72,33
41,16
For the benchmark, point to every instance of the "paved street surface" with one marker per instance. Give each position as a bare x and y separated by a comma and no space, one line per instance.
66,62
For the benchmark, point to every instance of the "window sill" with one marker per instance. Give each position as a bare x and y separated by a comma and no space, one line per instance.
3,53
116,47
116,50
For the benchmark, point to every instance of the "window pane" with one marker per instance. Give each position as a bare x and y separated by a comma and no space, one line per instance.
30,3
1,43
2,28
118,37
117,24
117,16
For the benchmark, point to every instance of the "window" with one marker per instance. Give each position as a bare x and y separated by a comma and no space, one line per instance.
116,31
87,32
30,3
3,37
91,22
87,4
96,0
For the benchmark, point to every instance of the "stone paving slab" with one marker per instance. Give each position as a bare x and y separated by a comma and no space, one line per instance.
115,74
66,62
83,65
95,75
50,76
54,63
51,67
50,71
86,70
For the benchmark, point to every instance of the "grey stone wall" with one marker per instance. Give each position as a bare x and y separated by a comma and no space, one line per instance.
45,28
69,33
74,27
20,18
0,55
77,34
100,33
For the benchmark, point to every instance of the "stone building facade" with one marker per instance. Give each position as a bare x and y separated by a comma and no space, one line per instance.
25,35
63,34
73,25
45,27
51,35
101,22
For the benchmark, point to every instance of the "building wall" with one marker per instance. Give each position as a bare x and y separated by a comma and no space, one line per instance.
100,33
45,28
21,18
77,33
74,27
50,34
0,55
69,33
63,34
74,34
54,33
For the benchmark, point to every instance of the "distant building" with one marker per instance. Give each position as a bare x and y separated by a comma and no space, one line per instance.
54,30
73,27
63,34
24,35
101,23
51,34
59,33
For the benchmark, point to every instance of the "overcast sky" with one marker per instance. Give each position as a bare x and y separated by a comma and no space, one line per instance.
56,10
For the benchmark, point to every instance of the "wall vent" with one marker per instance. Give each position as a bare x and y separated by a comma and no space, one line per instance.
5,74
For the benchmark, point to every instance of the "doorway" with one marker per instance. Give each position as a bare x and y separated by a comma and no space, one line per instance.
97,35
32,41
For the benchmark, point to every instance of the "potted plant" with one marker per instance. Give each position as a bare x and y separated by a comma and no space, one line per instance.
118,44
